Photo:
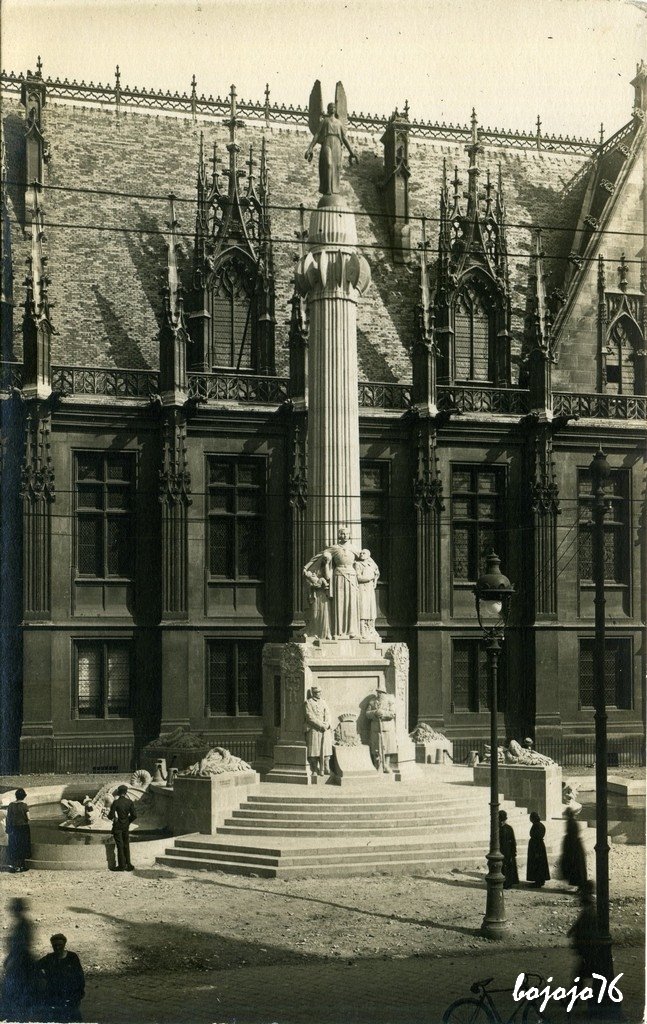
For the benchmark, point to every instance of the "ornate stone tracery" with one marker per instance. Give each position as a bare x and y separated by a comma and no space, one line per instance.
471,295
233,273
622,332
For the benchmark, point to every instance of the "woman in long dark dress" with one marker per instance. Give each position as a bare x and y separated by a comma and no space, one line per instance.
537,868
573,861
18,833
508,845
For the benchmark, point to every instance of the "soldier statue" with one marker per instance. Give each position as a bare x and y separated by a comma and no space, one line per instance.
318,732
381,714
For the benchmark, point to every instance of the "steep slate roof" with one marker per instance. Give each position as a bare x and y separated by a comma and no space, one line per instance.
106,285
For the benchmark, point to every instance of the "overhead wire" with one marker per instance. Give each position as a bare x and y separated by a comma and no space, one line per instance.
341,246
299,208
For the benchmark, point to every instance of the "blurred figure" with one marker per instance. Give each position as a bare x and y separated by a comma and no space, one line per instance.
18,982
584,934
64,982
537,868
508,844
18,832
572,864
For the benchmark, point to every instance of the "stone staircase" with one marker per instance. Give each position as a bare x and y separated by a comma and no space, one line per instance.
289,831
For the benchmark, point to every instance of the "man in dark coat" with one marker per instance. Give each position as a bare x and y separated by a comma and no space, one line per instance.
508,845
537,870
63,980
573,860
121,813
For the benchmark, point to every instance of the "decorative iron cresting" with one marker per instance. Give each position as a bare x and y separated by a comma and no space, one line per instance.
193,105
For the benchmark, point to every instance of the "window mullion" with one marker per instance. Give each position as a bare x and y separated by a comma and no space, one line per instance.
104,679
235,676
104,524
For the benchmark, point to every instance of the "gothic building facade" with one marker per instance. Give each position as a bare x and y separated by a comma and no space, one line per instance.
155,413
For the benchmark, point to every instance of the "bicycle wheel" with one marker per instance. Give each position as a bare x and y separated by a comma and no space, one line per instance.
467,1011
531,1015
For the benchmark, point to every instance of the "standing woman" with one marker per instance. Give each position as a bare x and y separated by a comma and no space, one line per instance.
537,869
19,845
508,846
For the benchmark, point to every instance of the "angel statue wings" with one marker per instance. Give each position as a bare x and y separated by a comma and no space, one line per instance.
328,131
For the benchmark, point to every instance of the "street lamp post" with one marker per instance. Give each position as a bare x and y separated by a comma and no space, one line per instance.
599,470
493,593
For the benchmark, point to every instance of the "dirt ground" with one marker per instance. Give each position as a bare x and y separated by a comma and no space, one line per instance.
182,921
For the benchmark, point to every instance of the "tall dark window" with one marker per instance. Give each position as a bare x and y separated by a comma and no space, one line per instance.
623,342
232,315
235,677
236,513
470,683
616,527
477,519
472,327
374,484
617,673
105,484
102,678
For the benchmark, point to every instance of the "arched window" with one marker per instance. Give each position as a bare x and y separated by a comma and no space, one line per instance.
233,319
622,345
472,330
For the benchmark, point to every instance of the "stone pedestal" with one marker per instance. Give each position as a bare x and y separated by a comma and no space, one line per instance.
202,804
348,672
535,787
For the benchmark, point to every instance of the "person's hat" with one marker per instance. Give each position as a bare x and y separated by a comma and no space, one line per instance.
59,935
122,790
503,816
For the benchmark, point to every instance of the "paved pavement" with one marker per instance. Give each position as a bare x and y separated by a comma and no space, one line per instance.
412,990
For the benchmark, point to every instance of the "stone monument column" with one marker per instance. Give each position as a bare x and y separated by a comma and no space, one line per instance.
341,656
332,276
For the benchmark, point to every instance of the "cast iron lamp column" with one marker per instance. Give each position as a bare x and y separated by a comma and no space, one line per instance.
599,470
493,593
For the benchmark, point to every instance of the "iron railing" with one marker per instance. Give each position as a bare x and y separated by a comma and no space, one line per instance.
269,390
378,395
470,398
237,387
10,377
600,407
39,756
570,751
115,383
193,105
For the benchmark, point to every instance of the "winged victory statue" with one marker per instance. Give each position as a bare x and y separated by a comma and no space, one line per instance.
328,132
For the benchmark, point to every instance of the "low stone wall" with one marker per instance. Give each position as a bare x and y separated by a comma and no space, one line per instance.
202,804
535,787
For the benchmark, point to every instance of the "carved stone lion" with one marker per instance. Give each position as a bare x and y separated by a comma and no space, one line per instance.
423,733
218,761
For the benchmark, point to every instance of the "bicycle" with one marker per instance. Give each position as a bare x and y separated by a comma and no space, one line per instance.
483,1010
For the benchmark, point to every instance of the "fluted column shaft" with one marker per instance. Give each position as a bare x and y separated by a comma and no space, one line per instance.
332,275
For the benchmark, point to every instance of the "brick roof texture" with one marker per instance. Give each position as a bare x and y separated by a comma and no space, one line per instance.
106,284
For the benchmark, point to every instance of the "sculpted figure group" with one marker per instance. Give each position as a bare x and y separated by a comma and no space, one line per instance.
342,582
319,736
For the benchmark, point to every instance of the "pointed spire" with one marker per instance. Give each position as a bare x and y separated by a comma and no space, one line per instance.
173,290
622,273
473,171
602,277
538,330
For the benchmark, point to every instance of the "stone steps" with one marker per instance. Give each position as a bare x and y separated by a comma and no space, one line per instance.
396,830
